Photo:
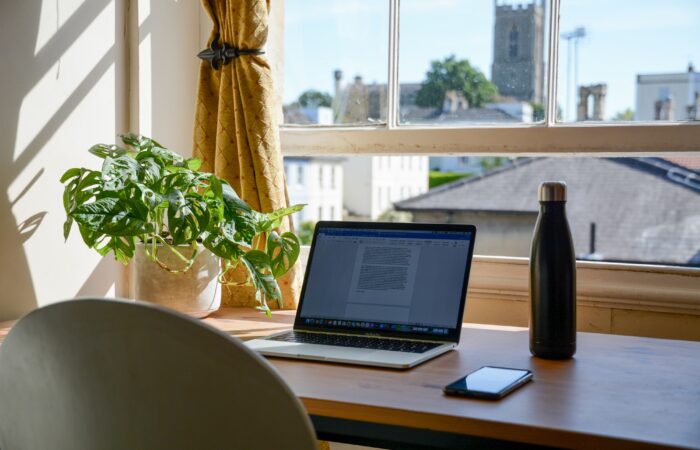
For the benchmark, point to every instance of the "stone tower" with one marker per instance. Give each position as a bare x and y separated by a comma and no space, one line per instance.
518,51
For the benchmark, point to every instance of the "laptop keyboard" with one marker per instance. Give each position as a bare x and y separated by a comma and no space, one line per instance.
394,345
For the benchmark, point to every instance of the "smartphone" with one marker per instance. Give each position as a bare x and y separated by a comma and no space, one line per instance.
489,382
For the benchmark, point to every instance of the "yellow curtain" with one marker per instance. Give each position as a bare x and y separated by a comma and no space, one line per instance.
236,133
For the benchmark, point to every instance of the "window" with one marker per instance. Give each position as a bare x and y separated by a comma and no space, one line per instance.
513,43
571,78
300,174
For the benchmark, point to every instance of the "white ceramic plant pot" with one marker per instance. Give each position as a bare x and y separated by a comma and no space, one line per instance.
195,292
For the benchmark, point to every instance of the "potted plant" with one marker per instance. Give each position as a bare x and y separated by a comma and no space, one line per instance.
150,204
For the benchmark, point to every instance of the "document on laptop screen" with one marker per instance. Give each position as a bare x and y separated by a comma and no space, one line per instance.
408,277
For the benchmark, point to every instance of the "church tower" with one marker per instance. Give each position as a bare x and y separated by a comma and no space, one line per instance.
518,51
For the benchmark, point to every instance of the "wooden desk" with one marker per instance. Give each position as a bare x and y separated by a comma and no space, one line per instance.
618,392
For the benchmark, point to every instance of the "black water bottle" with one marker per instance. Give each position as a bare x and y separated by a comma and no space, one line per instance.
552,278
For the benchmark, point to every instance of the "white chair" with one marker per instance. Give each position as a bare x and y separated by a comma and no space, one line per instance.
106,374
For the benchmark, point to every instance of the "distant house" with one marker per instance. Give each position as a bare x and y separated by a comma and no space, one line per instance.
643,209
316,182
374,183
669,96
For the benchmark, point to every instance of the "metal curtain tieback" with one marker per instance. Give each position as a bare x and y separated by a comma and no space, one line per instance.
218,56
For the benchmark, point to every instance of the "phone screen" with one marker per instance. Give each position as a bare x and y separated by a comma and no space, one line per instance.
489,382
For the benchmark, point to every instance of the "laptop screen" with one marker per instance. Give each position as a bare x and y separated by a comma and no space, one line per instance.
387,279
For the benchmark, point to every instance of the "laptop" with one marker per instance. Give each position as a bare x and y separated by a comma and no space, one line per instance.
379,294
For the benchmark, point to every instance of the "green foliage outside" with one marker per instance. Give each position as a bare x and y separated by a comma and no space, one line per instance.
626,115
391,215
452,74
492,163
148,194
436,178
314,99
537,111
305,231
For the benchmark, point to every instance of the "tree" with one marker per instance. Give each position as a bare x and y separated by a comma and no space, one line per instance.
452,74
627,115
537,111
313,99
305,232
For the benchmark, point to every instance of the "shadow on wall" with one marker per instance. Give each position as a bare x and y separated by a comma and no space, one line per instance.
23,68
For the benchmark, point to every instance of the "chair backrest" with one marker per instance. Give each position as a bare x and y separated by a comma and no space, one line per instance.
108,374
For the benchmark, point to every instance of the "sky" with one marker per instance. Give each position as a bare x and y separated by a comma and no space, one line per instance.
624,38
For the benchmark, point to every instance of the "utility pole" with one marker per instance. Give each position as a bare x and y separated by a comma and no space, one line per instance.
572,37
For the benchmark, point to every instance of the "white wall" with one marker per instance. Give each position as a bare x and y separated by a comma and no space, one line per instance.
395,178
357,185
165,88
62,88
317,183
74,75
374,183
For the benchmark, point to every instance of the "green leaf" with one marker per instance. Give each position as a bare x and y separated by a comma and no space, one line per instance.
169,157
110,216
232,201
283,252
71,173
122,247
241,214
107,151
222,247
193,163
258,265
82,185
188,216
148,197
151,169
118,172
139,142
90,237
270,221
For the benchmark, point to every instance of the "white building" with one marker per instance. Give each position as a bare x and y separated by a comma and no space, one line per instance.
373,183
316,182
671,96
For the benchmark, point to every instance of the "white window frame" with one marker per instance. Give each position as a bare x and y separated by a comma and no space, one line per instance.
649,287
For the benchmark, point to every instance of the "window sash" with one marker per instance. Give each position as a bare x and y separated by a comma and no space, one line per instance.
546,138
627,283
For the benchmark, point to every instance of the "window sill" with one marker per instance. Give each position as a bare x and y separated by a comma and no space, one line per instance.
603,285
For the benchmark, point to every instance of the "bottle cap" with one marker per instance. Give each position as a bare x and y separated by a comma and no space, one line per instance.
552,191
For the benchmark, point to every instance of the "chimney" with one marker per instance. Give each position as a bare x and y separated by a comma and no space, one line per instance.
599,92
663,109
582,113
338,75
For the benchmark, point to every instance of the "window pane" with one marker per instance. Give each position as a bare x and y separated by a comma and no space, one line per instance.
634,210
472,61
335,61
629,60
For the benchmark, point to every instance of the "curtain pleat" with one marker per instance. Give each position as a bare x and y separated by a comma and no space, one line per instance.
236,131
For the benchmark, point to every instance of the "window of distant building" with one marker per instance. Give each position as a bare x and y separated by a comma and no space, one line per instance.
513,42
